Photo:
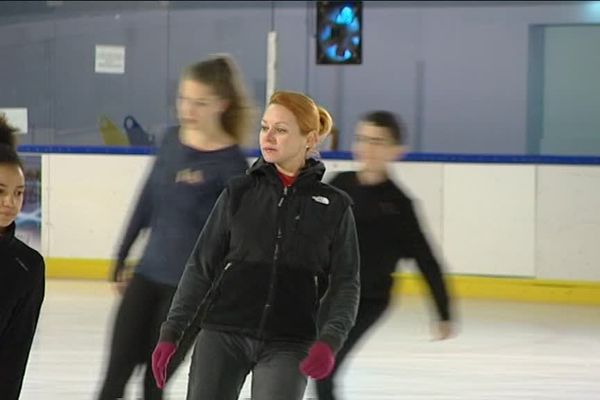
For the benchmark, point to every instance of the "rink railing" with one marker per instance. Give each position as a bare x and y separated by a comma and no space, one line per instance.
504,226
342,155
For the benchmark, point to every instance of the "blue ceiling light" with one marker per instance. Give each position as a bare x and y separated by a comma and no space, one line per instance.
339,25
593,9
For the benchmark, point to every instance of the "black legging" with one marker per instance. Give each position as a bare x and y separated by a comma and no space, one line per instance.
369,312
143,309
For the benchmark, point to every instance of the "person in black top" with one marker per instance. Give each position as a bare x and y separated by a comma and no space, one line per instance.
276,241
388,230
193,165
22,279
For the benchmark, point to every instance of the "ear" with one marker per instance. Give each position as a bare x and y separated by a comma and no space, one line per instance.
312,139
224,105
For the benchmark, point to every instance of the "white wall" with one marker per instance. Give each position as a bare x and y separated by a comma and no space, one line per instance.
489,218
568,223
86,202
484,219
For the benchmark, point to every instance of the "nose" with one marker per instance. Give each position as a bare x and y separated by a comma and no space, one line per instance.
270,136
185,107
8,201
362,147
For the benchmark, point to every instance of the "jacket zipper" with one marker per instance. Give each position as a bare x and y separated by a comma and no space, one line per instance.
316,291
211,290
271,294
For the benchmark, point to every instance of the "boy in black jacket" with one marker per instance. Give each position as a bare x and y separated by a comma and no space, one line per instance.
21,274
388,230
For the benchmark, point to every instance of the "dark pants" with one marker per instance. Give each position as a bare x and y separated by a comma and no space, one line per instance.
221,362
369,312
143,309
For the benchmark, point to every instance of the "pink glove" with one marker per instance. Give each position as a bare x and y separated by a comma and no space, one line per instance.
319,362
160,360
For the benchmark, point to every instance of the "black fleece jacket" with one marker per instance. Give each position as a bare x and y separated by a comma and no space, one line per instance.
21,294
266,257
389,230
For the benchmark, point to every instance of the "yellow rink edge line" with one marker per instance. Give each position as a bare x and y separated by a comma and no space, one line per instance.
462,286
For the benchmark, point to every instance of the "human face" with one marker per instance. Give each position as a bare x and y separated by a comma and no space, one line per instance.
12,187
281,140
374,147
198,107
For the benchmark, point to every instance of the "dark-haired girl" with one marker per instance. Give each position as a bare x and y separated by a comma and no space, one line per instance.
22,268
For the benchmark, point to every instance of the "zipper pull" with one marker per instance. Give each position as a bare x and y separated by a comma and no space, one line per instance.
22,264
285,190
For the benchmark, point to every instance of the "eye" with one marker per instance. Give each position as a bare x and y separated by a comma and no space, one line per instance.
264,128
19,193
281,130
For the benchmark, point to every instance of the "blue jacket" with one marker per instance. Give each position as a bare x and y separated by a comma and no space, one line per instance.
175,202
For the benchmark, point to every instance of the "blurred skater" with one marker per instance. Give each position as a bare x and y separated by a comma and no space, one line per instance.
388,230
193,165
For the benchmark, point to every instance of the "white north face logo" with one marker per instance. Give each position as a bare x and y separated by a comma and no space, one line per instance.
321,199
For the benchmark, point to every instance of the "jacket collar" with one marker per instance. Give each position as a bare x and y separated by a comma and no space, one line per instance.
312,171
7,237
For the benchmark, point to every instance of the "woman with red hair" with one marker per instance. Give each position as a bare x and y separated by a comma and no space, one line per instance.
277,240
